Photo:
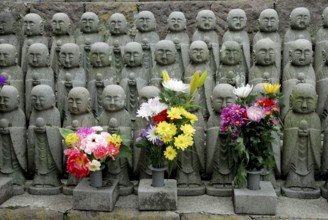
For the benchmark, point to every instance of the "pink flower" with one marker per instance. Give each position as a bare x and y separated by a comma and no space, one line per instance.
84,132
255,113
113,150
100,152
77,164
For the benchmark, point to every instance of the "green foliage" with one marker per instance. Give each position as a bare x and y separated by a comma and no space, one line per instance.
64,132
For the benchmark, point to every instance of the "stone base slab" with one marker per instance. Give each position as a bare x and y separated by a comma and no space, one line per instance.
191,191
45,190
18,190
324,191
86,197
256,202
219,191
301,194
157,198
6,189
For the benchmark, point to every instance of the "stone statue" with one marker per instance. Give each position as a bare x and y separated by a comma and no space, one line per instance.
45,153
101,74
89,24
299,22
147,37
230,70
8,65
61,28
321,38
165,57
236,31
177,25
268,28
116,119
219,163
199,54
301,147
12,139
33,26
264,62
38,72
71,75
206,26
300,64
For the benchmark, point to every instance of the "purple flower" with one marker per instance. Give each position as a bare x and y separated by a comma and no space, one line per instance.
237,120
83,132
138,139
3,80
237,109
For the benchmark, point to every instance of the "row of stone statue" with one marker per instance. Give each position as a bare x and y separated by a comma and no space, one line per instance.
41,154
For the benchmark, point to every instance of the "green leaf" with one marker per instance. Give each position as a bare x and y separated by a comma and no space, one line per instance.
125,152
64,132
202,79
194,82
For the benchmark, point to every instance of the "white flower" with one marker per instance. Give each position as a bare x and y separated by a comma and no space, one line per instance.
97,128
94,165
151,108
175,85
242,91
151,134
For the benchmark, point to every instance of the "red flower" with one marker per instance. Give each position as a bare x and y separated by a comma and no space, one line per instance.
77,164
244,115
162,116
100,152
267,102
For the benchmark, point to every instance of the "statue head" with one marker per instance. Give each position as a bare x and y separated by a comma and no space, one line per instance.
231,53
113,98
133,54
177,21
222,97
89,22
325,17
165,52
269,21
42,97
147,93
206,20
38,55
118,24
61,24
9,99
8,55
301,53
6,23
79,101
100,54
70,55
198,52
33,24
299,18
236,19
303,98
146,21
264,52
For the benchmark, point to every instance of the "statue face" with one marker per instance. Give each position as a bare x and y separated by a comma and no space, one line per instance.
8,99
32,25
6,23
89,22
236,20
77,103
69,56
206,20
231,53
100,56
301,53
41,99
269,21
222,97
146,22
113,98
117,24
265,55
133,55
165,53
7,55
177,22
300,18
199,52
38,55
60,24
304,100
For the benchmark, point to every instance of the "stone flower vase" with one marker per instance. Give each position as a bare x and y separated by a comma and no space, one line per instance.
157,177
96,178
253,179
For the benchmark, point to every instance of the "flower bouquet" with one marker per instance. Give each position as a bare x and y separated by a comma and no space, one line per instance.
3,81
170,128
250,124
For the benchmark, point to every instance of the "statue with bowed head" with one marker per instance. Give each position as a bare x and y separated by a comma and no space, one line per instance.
61,26
219,163
300,64
268,28
33,27
7,34
71,75
12,139
199,54
302,144
101,74
8,64
38,72
165,57
236,32
230,70
299,22
264,62
45,152
116,119
321,38
206,25
177,25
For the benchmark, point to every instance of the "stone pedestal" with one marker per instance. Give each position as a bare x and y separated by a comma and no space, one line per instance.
301,193
324,191
86,197
224,191
157,198
191,191
256,202
6,189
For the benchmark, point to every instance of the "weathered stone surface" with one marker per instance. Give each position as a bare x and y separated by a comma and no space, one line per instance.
30,214
194,216
6,189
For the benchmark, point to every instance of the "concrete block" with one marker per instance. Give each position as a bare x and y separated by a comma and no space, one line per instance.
256,202
86,197
6,189
157,198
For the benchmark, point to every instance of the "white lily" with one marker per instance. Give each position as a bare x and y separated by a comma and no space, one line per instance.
175,85
242,91
151,108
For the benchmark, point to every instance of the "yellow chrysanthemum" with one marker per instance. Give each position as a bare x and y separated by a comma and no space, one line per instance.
72,139
115,139
271,89
187,129
175,112
166,131
183,141
170,153
166,76
190,116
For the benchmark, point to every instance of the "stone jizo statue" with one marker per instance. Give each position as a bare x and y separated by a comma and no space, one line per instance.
118,28
321,38
321,87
